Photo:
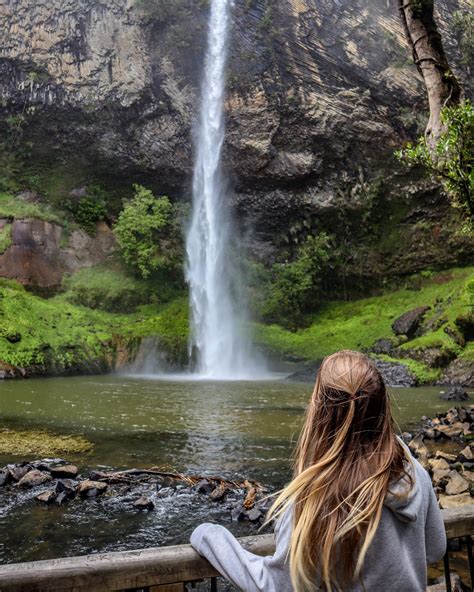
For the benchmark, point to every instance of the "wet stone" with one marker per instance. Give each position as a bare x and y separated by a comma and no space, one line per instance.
254,514
456,484
238,514
204,486
46,497
466,454
218,493
18,472
456,393
144,503
64,471
34,478
62,498
67,487
5,477
438,463
89,488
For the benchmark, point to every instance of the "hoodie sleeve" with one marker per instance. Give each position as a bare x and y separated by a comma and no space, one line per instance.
249,572
435,533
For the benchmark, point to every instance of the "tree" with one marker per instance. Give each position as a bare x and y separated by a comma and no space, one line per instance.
451,158
441,84
142,229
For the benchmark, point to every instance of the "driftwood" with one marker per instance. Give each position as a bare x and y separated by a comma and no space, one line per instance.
221,485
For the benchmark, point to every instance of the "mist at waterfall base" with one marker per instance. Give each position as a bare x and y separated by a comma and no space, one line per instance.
220,347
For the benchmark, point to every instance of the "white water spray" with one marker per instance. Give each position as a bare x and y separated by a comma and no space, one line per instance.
218,345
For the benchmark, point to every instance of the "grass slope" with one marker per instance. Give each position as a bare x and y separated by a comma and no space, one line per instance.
358,324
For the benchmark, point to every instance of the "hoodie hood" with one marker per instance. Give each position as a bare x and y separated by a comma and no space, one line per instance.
404,497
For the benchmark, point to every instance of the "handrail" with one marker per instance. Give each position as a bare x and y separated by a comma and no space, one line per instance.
153,566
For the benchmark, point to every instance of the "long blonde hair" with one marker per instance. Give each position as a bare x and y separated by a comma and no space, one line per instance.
346,457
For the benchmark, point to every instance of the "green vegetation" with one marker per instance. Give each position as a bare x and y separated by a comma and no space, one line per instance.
15,208
41,443
54,336
109,288
358,324
289,291
5,238
89,209
143,232
452,158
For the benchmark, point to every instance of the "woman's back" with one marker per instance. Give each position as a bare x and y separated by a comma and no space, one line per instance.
359,514
410,535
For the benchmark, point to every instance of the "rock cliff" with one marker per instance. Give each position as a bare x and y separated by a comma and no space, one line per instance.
320,94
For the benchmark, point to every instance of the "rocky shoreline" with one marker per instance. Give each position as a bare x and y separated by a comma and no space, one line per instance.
58,482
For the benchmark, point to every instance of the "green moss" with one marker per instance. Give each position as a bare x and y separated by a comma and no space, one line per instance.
55,336
5,238
14,208
358,324
171,326
41,443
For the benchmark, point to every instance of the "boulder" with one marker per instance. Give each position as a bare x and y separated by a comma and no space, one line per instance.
395,373
90,488
382,346
204,486
143,503
34,478
456,393
419,447
438,463
46,497
446,456
460,372
254,514
456,484
218,493
454,501
66,487
439,476
19,471
408,323
64,471
466,454
451,431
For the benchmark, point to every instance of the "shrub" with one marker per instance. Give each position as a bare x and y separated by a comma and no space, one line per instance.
143,232
296,287
90,209
5,238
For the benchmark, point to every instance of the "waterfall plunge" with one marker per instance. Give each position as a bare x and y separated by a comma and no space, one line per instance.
218,344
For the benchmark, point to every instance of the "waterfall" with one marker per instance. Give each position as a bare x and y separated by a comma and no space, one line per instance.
218,344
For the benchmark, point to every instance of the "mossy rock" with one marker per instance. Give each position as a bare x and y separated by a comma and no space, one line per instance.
41,443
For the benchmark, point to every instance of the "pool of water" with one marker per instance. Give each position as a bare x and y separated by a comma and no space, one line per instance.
234,429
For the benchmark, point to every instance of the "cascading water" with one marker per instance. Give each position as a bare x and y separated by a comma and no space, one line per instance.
219,346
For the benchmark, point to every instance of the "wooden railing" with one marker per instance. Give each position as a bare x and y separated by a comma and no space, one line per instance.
164,569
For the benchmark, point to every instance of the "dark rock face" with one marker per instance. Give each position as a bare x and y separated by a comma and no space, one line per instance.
461,372
318,99
408,323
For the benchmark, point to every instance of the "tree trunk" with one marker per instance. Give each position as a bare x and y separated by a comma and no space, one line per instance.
442,87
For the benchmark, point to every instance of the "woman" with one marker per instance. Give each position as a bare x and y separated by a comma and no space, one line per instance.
360,513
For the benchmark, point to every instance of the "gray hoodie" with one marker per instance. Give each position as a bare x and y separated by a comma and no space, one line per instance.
410,535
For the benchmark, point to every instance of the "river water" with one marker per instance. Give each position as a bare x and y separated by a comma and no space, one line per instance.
234,429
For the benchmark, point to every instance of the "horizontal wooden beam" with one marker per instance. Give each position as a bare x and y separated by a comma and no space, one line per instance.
103,572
